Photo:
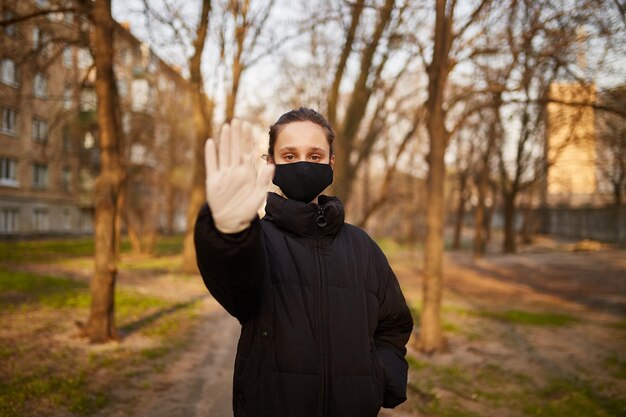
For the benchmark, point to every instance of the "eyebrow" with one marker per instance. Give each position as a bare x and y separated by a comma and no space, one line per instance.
294,149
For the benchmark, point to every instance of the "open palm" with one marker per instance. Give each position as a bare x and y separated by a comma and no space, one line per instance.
234,191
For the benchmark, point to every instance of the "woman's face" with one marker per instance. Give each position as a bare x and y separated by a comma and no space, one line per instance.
302,141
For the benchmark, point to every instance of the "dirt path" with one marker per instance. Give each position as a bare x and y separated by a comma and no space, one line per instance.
200,383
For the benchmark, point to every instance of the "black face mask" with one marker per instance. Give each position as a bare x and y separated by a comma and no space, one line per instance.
303,181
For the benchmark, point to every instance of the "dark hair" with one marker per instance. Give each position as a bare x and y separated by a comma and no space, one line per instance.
303,114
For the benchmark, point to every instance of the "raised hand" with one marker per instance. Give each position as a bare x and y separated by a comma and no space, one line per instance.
234,191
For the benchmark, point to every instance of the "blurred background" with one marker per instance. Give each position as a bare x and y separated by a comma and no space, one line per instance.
481,143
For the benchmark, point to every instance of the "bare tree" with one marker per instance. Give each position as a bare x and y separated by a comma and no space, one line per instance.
438,68
100,326
202,115
247,24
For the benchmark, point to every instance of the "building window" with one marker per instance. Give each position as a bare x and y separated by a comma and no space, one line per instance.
89,141
9,121
126,123
9,72
39,130
8,167
41,41
67,57
40,219
66,179
66,140
68,18
40,176
9,30
9,220
36,38
55,17
67,220
68,102
40,86
87,100
85,60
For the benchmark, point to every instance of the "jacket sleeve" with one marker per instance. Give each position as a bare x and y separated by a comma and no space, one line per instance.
395,325
231,265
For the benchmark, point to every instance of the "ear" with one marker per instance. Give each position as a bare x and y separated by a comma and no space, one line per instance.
332,161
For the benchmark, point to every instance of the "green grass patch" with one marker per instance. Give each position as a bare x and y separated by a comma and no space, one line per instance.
160,264
621,325
530,318
47,250
572,398
154,353
415,363
441,408
64,390
22,288
616,366
25,288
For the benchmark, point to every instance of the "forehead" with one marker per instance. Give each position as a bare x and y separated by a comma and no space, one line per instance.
303,134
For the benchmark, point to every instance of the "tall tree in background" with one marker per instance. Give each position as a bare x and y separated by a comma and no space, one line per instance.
441,64
247,25
100,327
202,116
372,59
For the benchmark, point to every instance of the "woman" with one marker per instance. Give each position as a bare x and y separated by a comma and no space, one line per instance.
324,322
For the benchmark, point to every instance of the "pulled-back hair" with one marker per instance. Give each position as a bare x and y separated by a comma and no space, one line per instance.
303,114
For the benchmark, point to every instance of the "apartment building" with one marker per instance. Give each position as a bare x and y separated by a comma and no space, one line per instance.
49,134
574,152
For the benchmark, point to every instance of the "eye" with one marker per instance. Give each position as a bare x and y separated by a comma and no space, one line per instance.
289,157
315,157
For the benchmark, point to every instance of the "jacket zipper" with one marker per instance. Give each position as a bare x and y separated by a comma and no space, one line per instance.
321,222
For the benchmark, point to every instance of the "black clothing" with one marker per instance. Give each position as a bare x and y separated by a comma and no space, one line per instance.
324,322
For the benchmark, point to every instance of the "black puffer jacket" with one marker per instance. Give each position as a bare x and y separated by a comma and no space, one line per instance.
324,322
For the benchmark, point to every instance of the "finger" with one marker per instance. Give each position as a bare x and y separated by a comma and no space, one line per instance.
235,142
265,176
224,146
248,141
210,157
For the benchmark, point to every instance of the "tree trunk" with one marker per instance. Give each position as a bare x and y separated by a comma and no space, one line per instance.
170,207
617,203
202,112
100,326
431,334
488,220
479,215
483,184
510,245
460,212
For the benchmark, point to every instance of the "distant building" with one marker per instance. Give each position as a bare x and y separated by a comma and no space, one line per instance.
49,133
571,151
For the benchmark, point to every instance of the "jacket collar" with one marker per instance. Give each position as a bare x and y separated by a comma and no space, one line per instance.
303,219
